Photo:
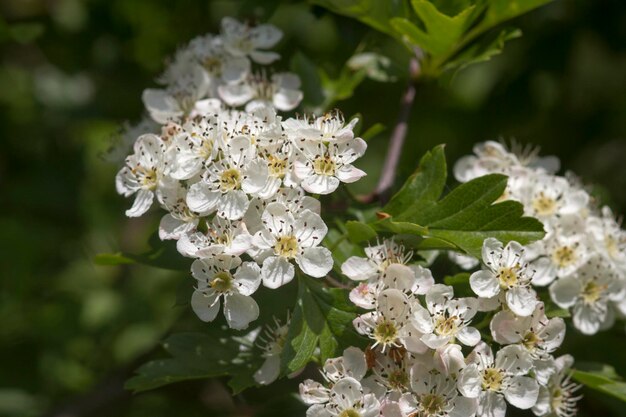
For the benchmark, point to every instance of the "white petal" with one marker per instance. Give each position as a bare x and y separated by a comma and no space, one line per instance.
248,278
434,341
310,229
206,306
354,362
521,300
522,392
276,271
265,36
469,336
484,283
358,268
320,184
269,371
564,291
172,228
349,174
312,392
240,310
264,58
470,381
201,199
233,205
514,359
143,201
491,404
346,392
256,174
463,407
316,262
491,251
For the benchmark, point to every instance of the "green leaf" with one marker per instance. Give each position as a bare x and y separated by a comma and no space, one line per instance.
482,51
321,318
502,10
198,356
602,378
375,13
359,232
465,217
162,254
442,32
461,278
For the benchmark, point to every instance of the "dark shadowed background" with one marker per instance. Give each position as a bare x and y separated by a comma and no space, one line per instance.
72,72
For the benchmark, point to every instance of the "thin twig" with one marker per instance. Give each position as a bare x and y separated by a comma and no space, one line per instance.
398,137
336,283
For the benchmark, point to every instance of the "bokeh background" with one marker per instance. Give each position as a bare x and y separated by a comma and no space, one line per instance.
72,73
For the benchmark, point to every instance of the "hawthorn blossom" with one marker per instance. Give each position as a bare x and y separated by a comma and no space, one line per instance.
505,272
221,236
346,398
324,166
560,395
228,182
193,148
281,90
493,381
273,343
180,220
242,40
379,257
330,127
142,173
445,318
285,238
216,280
588,294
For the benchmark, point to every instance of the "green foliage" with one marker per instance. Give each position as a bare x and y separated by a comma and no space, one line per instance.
162,254
212,353
449,32
602,378
322,317
462,219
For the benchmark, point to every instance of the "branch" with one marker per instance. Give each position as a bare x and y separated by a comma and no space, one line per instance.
398,136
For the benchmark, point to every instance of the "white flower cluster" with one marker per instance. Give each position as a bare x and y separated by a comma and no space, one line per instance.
234,182
426,359
583,255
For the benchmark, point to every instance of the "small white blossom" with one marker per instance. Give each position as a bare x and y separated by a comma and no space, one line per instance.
505,272
273,344
216,280
242,40
559,397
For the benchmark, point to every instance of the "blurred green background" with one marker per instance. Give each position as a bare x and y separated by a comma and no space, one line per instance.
72,72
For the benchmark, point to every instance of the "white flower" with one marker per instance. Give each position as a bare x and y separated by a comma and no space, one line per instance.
559,397
506,271
445,318
324,166
229,181
588,293
347,399
379,257
391,370
293,199
142,173
539,335
180,99
216,280
432,394
330,127
494,381
466,262
608,239
273,344
285,238
547,197
208,51
282,91
222,236
180,220
388,325
351,364
195,146
563,255
242,40
411,279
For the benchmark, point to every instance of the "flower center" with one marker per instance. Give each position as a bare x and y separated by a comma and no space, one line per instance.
432,404
222,281
564,256
492,379
324,165
544,205
592,292
398,379
230,179
508,276
286,246
385,332
351,412
531,340
277,166
446,326
206,149
147,176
